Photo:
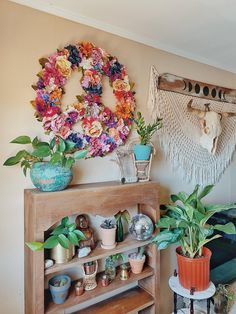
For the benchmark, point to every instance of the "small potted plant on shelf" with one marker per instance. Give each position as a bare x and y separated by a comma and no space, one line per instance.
62,241
121,215
59,287
108,234
145,131
49,163
186,223
137,260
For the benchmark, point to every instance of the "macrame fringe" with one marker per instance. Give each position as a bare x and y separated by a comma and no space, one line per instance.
179,137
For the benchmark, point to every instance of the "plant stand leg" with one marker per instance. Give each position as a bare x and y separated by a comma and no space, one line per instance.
208,305
175,303
191,307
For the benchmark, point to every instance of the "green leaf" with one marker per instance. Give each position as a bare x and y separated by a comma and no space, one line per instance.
11,161
73,238
65,221
218,208
80,234
56,158
166,222
62,145
52,143
58,230
71,227
35,246
182,196
69,162
24,139
35,142
193,196
42,151
64,242
80,154
51,242
228,228
69,145
205,191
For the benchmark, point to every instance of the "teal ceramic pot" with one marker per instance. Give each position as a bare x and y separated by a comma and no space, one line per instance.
48,177
142,152
59,293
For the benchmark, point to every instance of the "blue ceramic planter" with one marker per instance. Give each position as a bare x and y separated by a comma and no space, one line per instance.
142,152
59,294
48,177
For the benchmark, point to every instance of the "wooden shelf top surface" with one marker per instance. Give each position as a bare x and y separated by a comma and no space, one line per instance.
72,299
128,302
99,253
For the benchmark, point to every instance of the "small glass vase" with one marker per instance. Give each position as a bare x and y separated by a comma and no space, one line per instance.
110,268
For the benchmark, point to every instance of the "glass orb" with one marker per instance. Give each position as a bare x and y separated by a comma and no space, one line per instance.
141,227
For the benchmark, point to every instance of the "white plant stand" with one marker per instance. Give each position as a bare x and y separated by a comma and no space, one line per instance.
176,287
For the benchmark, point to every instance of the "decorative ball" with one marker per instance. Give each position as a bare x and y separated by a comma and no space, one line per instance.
141,227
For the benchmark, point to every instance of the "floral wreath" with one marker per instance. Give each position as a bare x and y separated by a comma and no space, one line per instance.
87,123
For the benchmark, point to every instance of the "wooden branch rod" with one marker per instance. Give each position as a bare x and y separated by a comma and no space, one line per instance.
173,83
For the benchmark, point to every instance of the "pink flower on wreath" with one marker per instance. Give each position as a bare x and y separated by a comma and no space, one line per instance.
97,57
121,127
58,122
52,76
114,133
65,131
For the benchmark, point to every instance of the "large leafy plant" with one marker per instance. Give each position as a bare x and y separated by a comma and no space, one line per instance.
64,234
57,151
186,223
146,131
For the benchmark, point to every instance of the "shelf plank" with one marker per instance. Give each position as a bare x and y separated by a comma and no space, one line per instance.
128,302
99,290
99,253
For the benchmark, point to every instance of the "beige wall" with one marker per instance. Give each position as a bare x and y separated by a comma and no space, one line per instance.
26,35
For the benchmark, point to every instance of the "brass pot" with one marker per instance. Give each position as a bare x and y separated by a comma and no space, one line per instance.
61,255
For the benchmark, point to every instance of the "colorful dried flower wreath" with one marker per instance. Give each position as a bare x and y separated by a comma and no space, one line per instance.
87,123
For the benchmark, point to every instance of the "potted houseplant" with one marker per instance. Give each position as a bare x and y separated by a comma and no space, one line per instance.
185,223
59,287
137,260
142,151
62,241
108,234
53,175
121,215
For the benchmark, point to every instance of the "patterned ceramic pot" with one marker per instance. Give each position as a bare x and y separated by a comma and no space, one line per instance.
48,177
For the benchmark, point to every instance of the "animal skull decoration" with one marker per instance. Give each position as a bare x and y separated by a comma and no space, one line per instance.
210,123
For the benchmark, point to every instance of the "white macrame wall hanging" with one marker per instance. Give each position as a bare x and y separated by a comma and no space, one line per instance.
180,136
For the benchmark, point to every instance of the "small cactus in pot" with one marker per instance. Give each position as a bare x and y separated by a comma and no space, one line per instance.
137,261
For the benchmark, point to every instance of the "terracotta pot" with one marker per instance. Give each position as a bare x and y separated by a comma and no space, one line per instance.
136,264
108,237
194,272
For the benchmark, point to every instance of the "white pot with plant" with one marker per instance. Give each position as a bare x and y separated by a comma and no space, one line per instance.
62,241
186,223
143,150
50,163
108,234
137,260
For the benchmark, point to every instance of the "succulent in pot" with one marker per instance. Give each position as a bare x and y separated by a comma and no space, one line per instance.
62,241
145,131
137,260
111,263
186,223
49,163
59,286
108,234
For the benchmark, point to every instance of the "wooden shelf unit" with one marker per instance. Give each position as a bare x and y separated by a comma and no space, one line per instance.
44,209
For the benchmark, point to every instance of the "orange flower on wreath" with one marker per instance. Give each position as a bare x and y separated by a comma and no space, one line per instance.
124,110
86,48
55,96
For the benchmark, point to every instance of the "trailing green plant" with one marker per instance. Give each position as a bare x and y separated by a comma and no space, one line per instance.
108,224
121,215
64,234
57,151
146,131
115,257
186,222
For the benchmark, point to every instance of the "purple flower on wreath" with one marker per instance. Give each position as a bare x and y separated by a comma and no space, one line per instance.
74,55
95,89
78,139
72,117
91,99
40,84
